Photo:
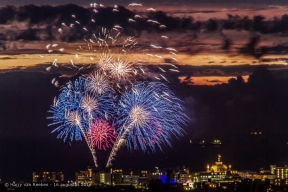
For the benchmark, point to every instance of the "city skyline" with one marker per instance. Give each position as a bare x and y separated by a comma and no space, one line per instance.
217,174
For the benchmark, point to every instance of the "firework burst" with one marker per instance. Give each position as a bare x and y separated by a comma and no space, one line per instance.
121,70
101,134
73,118
75,97
89,104
75,109
148,117
67,112
104,62
98,83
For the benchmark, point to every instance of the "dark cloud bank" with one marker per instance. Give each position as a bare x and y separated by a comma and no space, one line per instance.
53,16
34,23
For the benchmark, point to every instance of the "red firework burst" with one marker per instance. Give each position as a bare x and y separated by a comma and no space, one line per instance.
101,134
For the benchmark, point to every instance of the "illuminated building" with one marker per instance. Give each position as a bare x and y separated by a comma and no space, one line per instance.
216,173
218,167
154,174
117,178
282,172
273,169
265,171
141,177
104,176
130,179
278,175
136,178
280,182
247,174
48,177
262,175
85,177
181,175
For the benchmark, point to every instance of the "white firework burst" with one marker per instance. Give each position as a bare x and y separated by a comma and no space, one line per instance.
139,116
121,70
98,83
104,62
89,104
73,118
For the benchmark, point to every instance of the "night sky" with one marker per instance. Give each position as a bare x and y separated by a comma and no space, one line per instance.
229,111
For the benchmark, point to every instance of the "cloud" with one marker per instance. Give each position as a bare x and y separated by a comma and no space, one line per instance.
33,23
214,81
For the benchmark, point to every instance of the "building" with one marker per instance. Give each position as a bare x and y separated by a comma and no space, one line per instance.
119,177
265,171
103,178
282,172
247,174
273,169
143,181
218,167
142,178
263,175
47,177
85,177
116,177
181,175
153,175
130,179
216,173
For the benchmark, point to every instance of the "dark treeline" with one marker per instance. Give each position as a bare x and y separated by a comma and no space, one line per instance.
49,18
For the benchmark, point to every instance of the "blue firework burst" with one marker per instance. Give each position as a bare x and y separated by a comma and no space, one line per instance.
76,107
149,114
